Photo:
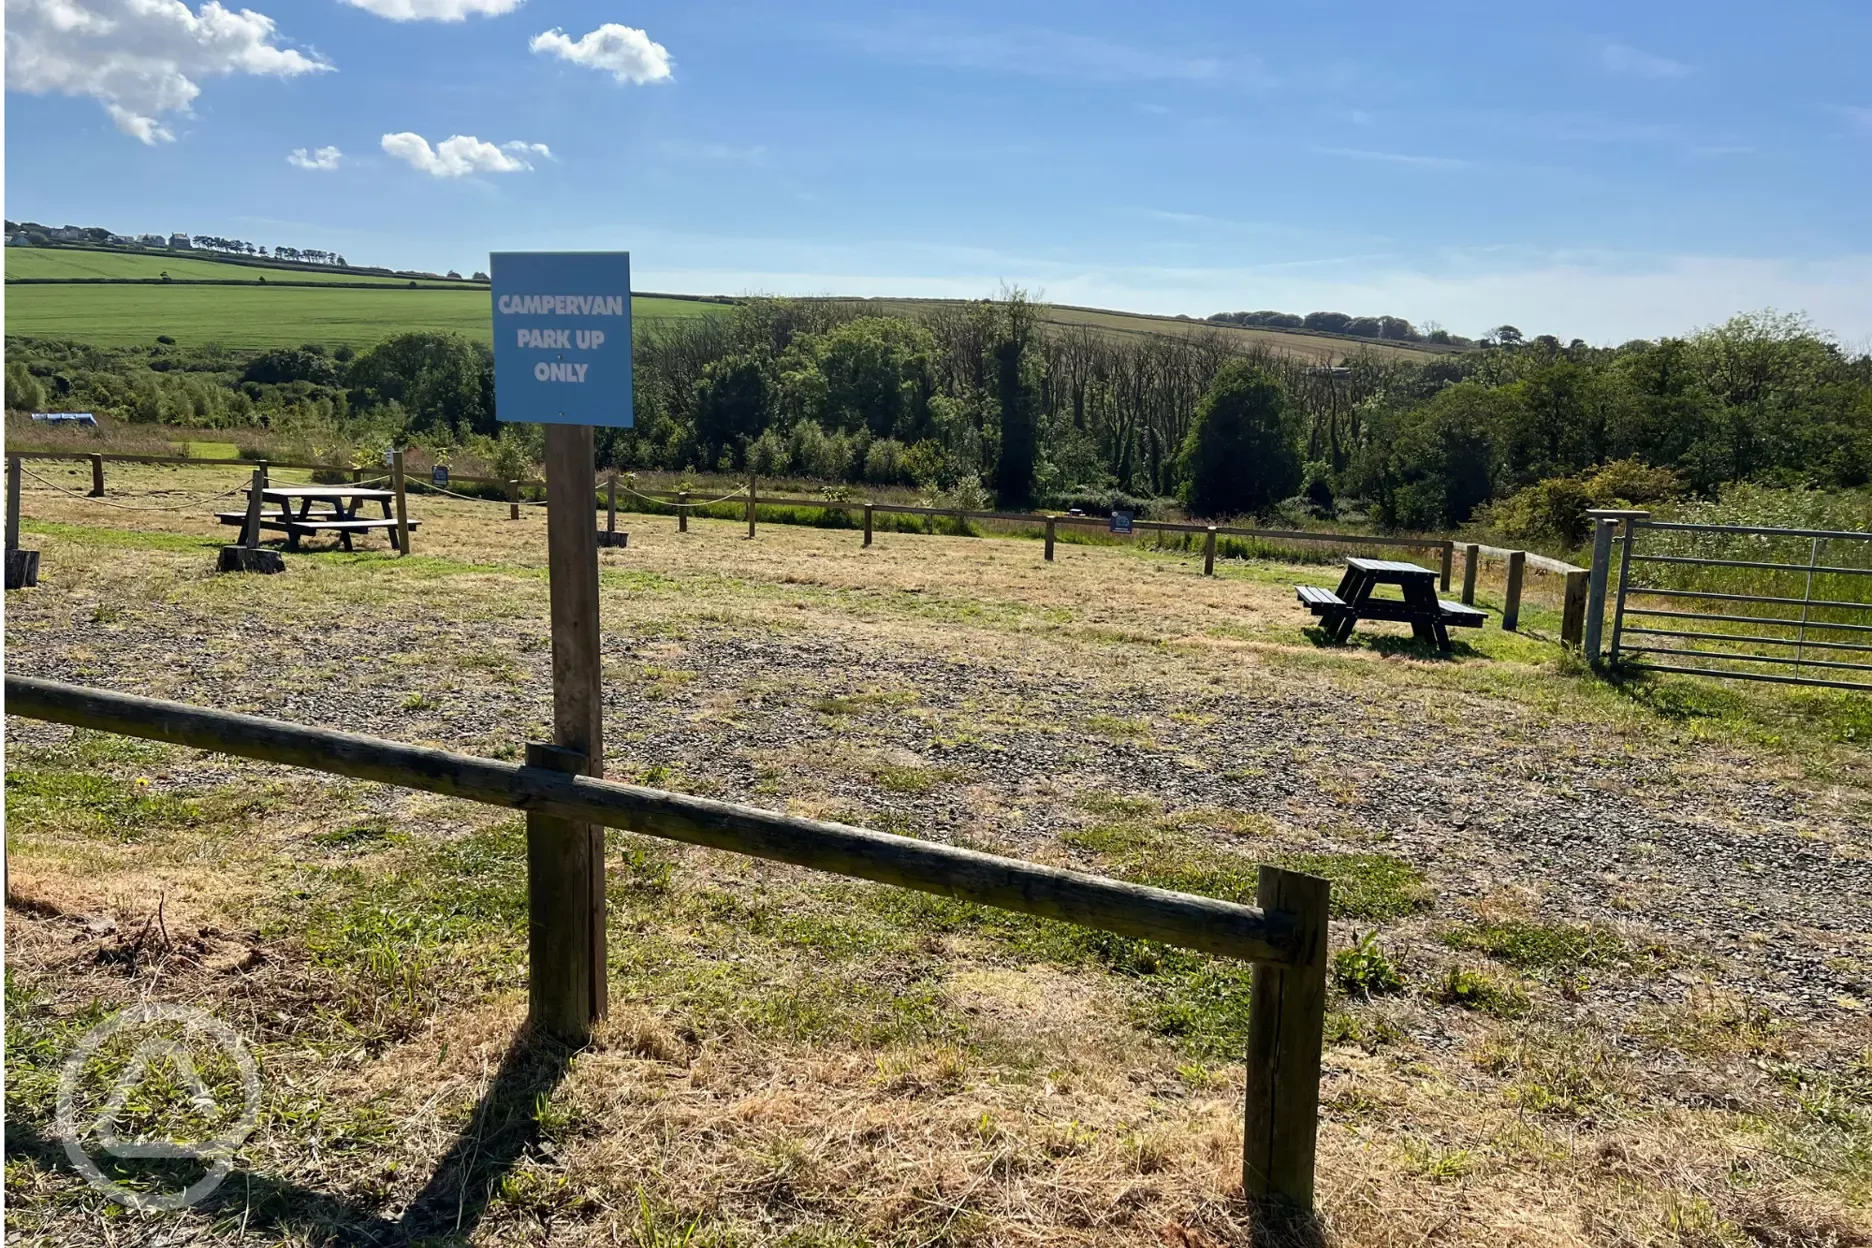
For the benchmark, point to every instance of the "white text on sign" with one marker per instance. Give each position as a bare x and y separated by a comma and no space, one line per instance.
559,371
561,339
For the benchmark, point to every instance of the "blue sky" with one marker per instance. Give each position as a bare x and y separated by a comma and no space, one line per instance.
1592,170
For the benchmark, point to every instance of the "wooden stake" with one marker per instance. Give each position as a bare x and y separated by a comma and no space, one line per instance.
867,539
1449,557
572,563
1286,1024
97,476
13,502
1573,614
513,500
1511,605
682,511
1472,554
402,507
250,534
750,504
1209,551
1052,524
611,506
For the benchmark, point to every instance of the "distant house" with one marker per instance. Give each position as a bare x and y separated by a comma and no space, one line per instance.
70,234
119,240
66,418
18,240
180,242
151,240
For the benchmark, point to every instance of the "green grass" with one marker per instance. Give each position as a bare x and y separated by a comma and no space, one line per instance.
256,317
1562,947
76,264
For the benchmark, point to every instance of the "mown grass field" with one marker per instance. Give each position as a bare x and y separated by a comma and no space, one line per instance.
258,317
1605,947
72,263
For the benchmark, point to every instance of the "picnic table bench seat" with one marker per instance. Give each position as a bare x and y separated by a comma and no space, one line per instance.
1318,599
295,527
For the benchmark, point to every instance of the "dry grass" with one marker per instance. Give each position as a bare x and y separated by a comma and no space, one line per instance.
804,1061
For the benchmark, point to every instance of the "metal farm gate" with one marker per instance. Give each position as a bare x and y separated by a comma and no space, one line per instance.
1793,606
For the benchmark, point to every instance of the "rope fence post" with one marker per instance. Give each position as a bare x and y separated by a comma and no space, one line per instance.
750,504
867,538
513,500
402,506
1286,1027
1511,604
564,954
682,511
97,476
1449,557
13,503
1471,555
22,566
1209,551
1051,526
250,532
611,505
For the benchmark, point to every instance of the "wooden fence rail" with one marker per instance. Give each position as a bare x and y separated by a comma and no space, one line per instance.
1285,938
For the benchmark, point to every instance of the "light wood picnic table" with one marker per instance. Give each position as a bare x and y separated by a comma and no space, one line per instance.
342,518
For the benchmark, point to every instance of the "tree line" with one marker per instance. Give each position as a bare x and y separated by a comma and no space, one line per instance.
992,400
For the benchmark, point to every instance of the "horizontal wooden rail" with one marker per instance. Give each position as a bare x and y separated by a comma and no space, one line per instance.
1541,562
1201,923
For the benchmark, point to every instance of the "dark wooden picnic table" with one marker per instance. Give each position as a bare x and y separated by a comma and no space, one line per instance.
342,501
1430,617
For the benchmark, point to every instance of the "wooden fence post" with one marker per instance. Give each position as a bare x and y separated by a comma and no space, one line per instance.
97,476
750,504
561,943
682,511
266,477
1511,604
1573,614
250,532
1472,555
402,508
1449,557
1596,586
867,539
1209,551
1052,524
513,500
13,502
1286,1025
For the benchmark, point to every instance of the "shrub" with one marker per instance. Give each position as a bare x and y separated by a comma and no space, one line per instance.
884,461
1242,454
1365,968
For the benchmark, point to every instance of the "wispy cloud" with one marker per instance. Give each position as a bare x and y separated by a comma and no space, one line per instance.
1058,54
323,158
1629,62
1397,158
1856,117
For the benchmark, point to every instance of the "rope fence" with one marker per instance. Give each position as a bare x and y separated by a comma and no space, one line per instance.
193,500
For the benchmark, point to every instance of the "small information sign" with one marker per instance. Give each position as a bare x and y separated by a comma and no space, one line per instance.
1121,521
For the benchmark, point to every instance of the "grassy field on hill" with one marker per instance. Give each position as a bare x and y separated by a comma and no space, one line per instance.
242,316
50,263
1604,970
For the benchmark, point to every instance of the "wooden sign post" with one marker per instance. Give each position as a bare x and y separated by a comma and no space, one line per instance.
562,339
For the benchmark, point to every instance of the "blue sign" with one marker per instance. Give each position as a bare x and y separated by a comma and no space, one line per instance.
439,476
562,337
1121,521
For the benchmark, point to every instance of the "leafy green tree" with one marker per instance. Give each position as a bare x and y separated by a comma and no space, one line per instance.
23,391
1445,459
732,405
875,373
1014,395
443,381
1242,454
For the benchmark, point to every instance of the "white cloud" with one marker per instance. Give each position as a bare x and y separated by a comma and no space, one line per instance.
461,154
1395,158
1054,53
320,158
1630,62
626,53
140,59
435,10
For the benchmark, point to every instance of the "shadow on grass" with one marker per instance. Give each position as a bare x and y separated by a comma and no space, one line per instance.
1390,644
1679,700
502,1130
